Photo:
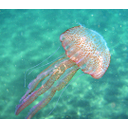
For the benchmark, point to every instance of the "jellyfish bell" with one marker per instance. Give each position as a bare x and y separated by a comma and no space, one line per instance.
87,49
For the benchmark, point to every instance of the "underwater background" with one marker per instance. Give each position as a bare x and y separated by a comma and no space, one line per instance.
27,37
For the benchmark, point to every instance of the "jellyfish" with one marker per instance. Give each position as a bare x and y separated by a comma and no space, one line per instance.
85,49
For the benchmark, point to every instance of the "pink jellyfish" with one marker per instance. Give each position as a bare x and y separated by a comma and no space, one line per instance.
85,49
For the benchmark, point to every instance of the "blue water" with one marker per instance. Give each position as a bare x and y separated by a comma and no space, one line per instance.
27,37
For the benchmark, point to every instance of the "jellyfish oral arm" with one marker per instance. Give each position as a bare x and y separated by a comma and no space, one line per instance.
53,72
52,92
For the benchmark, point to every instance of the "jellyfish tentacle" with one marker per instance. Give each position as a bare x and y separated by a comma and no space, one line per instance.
36,66
62,55
55,75
58,87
